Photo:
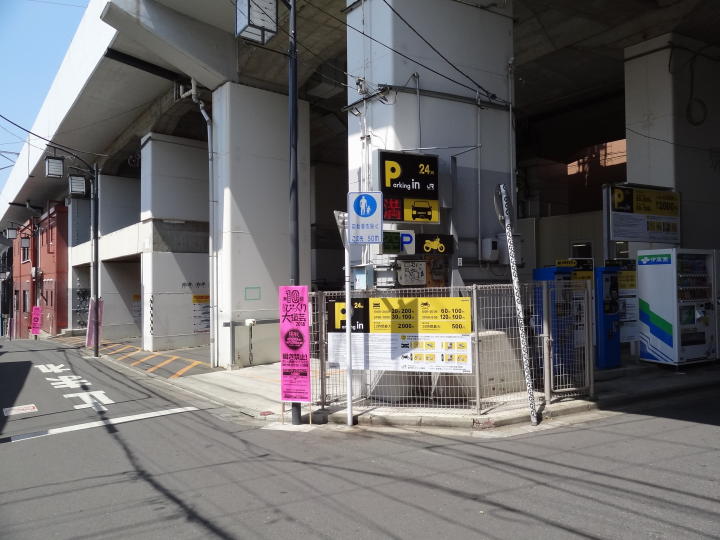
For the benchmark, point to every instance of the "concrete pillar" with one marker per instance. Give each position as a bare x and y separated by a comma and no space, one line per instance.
174,231
119,203
120,289
432,114
252,190
672,95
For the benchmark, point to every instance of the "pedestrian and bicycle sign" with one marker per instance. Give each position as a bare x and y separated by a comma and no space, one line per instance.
365,218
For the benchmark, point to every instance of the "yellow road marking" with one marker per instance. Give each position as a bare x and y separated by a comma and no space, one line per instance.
161,364
125,348
193,360
185,369
128,355
105,347
153,355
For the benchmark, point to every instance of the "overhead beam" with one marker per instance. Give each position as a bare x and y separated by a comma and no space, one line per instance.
194,48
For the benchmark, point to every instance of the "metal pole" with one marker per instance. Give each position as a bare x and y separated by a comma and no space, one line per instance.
320,322
293,124
96,258
506,209
476,347
348,334
547,343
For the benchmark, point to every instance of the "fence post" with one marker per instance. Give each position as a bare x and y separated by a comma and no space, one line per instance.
476,346
547,344
589,349
319,298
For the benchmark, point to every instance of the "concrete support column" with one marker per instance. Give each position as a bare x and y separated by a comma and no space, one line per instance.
672,95
174,236
430,114
252,193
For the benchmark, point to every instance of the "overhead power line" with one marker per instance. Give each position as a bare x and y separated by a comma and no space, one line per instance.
58,145
58,3
490,95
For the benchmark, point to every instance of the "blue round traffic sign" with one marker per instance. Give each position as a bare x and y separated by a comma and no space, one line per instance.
364,205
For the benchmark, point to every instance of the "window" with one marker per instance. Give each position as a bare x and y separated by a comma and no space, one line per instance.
26,301
51,298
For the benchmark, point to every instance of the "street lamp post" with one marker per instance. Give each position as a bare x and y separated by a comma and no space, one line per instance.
54,167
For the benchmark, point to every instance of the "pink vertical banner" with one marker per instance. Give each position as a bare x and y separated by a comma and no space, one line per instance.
90,330
36,320
294,344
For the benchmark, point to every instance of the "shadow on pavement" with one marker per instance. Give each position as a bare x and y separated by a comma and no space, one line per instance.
12,379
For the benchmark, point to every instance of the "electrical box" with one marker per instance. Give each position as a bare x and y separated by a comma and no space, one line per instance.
489,250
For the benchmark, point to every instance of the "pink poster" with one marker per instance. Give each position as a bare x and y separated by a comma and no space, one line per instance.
294,344
36,320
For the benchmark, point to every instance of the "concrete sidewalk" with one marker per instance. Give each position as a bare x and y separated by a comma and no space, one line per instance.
256,390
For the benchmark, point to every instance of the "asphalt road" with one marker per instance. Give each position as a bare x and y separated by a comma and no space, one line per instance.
160,464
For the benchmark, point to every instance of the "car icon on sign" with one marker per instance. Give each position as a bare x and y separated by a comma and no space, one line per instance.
421,210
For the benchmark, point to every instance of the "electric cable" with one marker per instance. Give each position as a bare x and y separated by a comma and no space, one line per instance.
58,145
417,62
491,96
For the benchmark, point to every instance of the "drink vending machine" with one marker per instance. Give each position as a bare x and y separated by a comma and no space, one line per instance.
676,295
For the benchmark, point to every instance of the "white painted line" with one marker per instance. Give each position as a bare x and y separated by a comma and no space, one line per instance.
20,409
279,426
99,423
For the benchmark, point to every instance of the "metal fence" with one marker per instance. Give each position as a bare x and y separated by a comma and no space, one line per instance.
557,319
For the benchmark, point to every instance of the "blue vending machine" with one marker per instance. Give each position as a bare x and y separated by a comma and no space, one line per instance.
607,317
561,317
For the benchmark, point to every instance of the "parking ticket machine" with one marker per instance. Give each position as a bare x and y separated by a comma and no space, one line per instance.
607,317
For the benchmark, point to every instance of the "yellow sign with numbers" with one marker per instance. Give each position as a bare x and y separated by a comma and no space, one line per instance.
420,316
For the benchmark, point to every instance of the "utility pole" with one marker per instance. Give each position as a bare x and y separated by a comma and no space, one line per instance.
293,127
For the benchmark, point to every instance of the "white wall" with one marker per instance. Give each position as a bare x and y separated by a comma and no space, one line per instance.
168,299
556,233
119,203
174,174
120,289
252,186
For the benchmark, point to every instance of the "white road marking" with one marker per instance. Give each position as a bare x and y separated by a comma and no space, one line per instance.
99,423
20,409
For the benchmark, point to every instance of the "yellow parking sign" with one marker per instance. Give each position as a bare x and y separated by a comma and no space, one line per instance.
421,210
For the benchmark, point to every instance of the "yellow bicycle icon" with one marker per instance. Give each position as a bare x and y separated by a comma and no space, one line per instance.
436,244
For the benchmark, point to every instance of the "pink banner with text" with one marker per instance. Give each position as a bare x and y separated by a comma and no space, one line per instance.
36,320
294,344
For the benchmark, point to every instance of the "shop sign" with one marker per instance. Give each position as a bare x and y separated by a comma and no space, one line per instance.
643,214
404,334
409,184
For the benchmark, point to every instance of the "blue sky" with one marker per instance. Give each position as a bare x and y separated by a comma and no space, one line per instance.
34,35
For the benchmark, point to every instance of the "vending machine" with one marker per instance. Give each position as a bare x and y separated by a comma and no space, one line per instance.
607,317
676,296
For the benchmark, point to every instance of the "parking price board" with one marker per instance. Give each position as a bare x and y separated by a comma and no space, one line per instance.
365,220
